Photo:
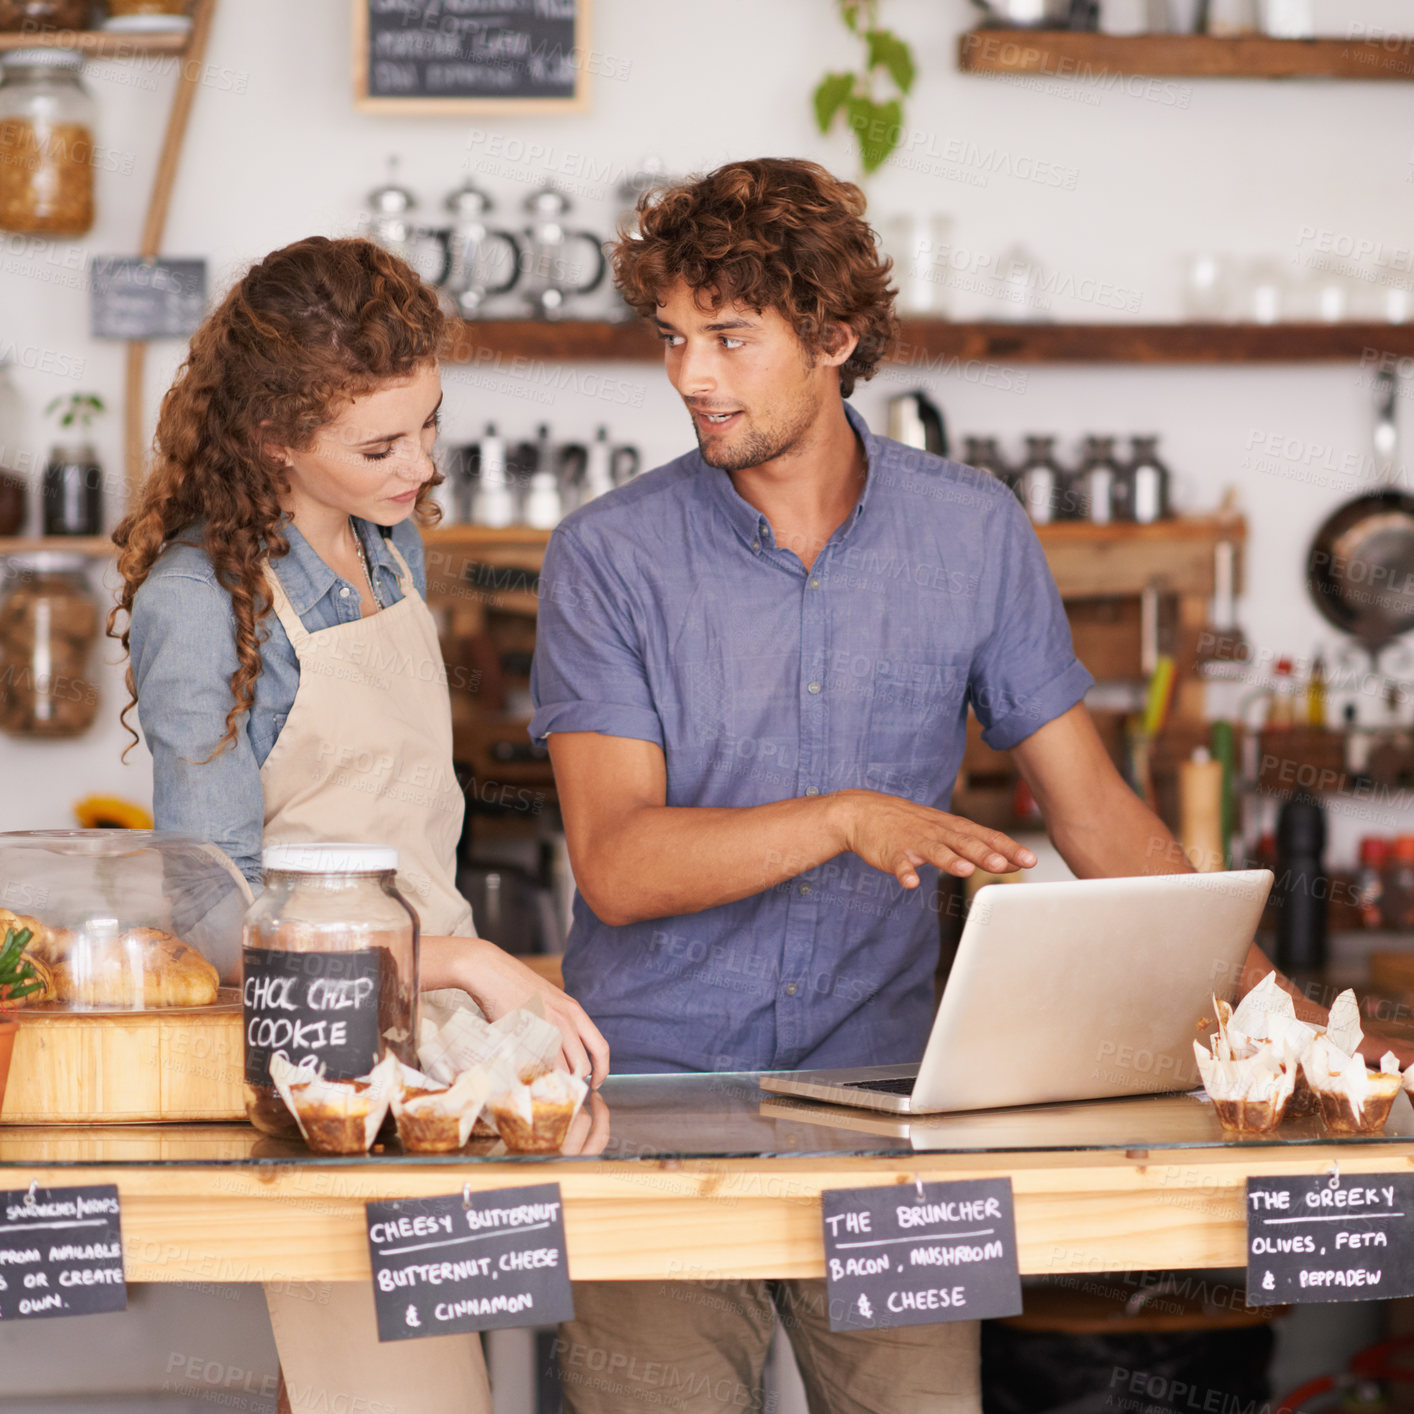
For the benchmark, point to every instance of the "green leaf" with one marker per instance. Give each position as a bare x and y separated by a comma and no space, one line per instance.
830,97
849,10
887,49
877,129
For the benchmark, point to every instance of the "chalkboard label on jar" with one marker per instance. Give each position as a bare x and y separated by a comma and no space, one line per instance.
317,1009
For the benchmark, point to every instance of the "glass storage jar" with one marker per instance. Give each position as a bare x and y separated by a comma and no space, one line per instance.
38,15
330,970
46,144
48,629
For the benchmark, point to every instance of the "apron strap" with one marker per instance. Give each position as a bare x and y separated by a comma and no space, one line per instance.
405,580
284,610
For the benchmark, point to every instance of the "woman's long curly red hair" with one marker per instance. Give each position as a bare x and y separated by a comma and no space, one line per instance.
772,233
307,330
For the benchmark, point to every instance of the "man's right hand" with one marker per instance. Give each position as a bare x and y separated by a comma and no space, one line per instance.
898,836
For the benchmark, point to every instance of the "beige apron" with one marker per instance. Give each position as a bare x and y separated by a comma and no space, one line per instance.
365,756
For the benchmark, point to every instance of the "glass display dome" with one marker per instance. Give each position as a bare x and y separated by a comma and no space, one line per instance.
123,920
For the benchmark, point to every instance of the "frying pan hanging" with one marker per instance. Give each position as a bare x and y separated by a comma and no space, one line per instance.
1360,569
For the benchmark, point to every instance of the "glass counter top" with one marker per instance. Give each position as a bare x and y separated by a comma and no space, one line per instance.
646,1118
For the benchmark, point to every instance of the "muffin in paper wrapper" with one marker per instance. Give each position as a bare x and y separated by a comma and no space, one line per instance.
1353,1099
1266,1017
434,1118
1249,1095
454,1040
337,1116
533,1109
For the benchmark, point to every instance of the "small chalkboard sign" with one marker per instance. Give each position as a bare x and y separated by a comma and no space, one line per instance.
61,1252
1320,1238
132,298
317,1009
917,1255
448,56
469,1262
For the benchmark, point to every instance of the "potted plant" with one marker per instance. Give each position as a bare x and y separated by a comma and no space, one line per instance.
73,479
23,979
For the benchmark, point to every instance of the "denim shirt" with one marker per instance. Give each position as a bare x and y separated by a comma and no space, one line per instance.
669,614
183,651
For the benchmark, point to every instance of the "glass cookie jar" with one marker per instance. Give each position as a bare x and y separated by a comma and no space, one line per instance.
330,970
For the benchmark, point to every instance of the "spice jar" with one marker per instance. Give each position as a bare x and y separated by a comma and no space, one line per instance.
329,970
48,629
36,15
46,144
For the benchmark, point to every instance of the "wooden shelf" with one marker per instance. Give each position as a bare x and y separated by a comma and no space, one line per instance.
1118,561
931,344
99,44
492,341
1071,54
98,546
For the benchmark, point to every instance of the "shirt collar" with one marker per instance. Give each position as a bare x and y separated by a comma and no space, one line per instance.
751,526
306,579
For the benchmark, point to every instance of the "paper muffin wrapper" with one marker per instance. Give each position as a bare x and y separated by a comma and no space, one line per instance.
533,1116
337,1116
435,1119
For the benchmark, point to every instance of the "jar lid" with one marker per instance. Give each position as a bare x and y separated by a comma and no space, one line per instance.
48,57
329,858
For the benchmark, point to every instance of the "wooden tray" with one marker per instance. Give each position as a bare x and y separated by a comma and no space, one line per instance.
127,1067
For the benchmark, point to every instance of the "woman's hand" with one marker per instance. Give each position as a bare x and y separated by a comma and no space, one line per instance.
498,983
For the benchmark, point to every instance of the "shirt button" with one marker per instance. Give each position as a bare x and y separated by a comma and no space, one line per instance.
755,544
807,888
812,790
815,584
791,989
814,687
344,592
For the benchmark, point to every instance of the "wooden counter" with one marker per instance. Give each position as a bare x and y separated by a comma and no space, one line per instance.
697,1177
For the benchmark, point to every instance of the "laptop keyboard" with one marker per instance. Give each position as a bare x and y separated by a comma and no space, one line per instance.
897,1085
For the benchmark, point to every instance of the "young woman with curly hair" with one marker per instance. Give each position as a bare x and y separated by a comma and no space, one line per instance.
286,669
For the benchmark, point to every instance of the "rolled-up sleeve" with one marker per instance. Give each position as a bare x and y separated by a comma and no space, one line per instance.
183,653
588,672
1025,673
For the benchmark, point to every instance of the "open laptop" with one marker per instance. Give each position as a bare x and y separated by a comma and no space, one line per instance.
1068,991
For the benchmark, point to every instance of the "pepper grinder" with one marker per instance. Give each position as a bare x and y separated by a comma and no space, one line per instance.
1302,887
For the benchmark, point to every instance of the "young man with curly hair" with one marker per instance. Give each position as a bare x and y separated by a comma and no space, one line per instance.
753,668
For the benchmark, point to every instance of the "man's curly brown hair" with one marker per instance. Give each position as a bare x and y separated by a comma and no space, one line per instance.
772,233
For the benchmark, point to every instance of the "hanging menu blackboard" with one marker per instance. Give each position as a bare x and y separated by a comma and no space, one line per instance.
425,56
469,1262
912,1255
1322,1238
61,1252
133,298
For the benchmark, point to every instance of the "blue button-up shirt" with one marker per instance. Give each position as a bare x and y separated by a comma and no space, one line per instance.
669,614
183,652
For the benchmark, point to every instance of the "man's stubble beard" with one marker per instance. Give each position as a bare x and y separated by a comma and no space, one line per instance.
760,445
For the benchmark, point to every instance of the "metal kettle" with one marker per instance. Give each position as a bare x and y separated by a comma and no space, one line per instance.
546,259
469,241
917,421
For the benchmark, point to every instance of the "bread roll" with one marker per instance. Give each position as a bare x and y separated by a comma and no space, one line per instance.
140,967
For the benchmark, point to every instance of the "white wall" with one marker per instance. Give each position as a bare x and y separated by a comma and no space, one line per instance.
1146,176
